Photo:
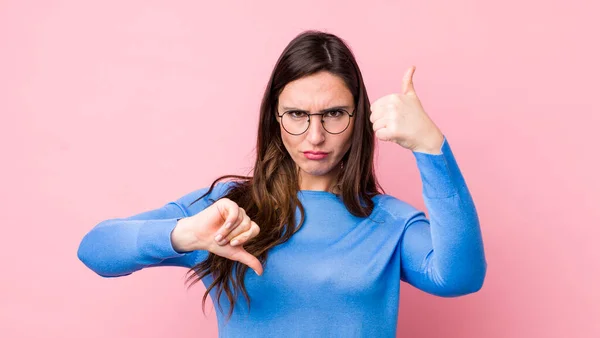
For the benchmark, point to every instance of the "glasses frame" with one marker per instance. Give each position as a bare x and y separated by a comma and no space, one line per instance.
322,121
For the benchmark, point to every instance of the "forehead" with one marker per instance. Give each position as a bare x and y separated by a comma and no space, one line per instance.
316,91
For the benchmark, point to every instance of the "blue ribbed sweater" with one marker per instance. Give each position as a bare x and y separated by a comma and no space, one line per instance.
339,276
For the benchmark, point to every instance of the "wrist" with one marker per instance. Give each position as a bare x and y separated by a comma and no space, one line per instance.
431,144
181,240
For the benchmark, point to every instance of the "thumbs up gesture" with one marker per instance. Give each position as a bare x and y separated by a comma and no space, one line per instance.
400,118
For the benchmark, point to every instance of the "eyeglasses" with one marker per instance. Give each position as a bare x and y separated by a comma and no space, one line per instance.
297,122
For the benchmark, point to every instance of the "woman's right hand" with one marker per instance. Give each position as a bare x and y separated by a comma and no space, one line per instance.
223,218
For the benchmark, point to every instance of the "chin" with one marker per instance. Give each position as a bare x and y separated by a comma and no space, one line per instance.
316,172
317,169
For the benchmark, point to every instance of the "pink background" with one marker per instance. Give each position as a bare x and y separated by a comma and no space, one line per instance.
110,108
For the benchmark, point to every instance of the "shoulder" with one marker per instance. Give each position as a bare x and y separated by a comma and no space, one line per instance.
395,208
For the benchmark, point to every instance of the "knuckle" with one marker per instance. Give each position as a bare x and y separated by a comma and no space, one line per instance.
230,204
244,225
241,239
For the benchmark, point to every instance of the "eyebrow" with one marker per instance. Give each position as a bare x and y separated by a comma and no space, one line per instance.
322,111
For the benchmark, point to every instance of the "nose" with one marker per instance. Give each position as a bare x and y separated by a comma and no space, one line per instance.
315,133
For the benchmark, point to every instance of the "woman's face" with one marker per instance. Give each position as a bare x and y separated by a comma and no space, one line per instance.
312,94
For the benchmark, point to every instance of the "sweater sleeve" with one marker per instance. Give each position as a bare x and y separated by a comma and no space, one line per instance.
120,246
443,255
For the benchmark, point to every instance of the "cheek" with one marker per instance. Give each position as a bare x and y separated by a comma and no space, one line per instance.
288,141
347,142
346,145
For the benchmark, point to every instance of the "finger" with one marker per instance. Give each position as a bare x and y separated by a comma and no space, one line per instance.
376,113
227,229
407,81
381,123
244,237
244,226
373,109
384,134
230,211
246,258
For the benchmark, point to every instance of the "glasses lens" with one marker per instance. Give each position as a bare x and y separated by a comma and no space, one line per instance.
336,122
295,122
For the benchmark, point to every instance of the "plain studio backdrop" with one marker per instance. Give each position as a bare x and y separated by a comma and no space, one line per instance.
110,108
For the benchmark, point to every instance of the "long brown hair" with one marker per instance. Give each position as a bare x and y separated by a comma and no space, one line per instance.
269,197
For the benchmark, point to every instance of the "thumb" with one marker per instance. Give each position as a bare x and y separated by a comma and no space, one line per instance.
246,258
407,81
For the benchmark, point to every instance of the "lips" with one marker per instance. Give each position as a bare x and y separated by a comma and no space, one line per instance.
315,155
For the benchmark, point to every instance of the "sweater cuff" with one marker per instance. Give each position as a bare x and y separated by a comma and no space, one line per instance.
154,239
440,174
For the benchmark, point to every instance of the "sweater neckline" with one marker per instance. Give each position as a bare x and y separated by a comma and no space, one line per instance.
317,193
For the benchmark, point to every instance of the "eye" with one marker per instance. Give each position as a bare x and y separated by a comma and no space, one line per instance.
297,114
334,113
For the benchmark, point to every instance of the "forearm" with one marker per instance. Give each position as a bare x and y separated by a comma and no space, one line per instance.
121,246
447,249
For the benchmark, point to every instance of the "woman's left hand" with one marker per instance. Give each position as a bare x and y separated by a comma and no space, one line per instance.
400,118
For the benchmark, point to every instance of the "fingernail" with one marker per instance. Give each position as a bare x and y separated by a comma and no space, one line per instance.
255,272
228,225
218,238
235,242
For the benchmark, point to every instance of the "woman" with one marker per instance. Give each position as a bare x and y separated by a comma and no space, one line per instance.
328,247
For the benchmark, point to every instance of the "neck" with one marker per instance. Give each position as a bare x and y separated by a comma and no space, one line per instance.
325,182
